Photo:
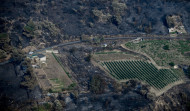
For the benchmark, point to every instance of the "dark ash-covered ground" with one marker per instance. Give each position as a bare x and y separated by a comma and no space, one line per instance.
125,96
12,96
74,17
131,95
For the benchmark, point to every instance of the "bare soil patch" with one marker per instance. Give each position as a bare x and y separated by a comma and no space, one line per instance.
116,56
43,81
56,74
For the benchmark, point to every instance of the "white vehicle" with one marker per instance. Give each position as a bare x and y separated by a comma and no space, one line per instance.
31,53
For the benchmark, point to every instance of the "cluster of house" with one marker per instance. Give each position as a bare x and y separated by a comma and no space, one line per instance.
178,27
39,60
137,40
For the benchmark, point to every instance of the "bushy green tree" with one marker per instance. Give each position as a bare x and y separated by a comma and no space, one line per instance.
166,47
171,64
188,72
17,56
29,82
97,84
88,58
3,54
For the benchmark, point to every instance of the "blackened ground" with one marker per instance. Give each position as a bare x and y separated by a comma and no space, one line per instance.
12,96
10,83
128,97
176,99
75,17
107,101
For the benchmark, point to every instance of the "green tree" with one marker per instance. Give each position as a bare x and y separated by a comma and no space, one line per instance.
17,56
188,72
73,49
29,82
57,106
166,47
3,54
171,64
88,58
97,84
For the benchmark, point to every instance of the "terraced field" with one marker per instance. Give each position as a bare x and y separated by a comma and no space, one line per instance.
143,71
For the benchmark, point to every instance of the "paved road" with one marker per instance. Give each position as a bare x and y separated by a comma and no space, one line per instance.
58,45
116,38
109,38
40,50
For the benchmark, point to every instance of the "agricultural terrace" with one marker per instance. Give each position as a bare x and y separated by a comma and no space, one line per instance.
142,71
164,51
56,74
115,55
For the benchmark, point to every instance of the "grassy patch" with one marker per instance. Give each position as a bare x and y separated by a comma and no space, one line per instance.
3,54
57,81
30,27
105,52
71,86
111,52
164,51
173,32
43,107
58,60
3,36
184,46
59,86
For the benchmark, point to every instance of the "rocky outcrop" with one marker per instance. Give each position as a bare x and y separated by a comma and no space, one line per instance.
175,99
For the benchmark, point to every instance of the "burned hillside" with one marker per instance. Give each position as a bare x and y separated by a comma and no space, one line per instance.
54,55
91,17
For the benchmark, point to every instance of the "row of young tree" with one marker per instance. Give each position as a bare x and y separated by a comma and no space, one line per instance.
143,71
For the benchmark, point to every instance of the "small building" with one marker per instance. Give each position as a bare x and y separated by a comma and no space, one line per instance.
42,60
104,45
30,53
175,25
52,51
171,30
176,67
42,57
38,60
35,66
137,40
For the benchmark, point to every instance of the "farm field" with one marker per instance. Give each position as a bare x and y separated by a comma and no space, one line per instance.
106,56
56,74
142,71
164,51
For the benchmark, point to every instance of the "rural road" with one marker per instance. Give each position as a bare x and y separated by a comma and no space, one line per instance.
5,62
58,45
108,38
111,38
116,38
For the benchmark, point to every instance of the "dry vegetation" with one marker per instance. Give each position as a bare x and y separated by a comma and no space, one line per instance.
115,55
164,52
56,74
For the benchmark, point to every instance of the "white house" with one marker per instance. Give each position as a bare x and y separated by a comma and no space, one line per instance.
137,40
176,67
171,30
104,45
30,53
38,60
42,58
52,51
